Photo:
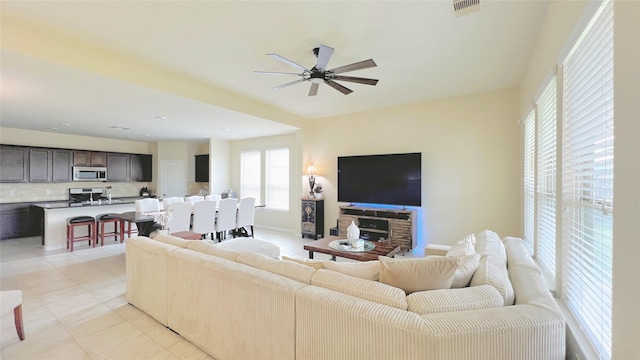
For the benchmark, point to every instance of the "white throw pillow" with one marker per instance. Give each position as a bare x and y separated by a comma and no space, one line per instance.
413,275
464,247
467,266
369,270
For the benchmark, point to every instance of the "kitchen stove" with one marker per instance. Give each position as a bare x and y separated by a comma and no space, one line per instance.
82,196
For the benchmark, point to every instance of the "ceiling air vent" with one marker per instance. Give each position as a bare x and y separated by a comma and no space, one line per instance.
464,7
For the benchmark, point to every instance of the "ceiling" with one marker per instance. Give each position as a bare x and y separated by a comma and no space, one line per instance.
422,49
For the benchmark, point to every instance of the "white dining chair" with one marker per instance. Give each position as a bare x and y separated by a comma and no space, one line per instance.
214,197
226,219
147,205
170,200
246,215
204,218
180,219
193,199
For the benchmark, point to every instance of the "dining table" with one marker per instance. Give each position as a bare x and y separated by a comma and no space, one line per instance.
145,222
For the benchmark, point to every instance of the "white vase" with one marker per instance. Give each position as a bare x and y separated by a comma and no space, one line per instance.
353,234
318,195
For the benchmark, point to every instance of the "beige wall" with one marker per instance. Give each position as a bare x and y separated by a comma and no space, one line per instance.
470,149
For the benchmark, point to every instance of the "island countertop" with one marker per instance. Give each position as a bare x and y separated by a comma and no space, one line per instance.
67,204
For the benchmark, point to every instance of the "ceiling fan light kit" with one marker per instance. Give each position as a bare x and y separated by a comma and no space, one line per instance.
318,74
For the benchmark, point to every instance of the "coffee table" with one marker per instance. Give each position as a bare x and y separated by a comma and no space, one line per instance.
322,246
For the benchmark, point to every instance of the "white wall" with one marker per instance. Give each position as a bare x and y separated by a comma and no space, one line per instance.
470,149
219,166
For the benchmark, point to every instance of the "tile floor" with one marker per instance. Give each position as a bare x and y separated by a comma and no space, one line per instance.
74,304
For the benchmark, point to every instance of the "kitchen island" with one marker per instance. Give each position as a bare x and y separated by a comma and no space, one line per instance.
54,219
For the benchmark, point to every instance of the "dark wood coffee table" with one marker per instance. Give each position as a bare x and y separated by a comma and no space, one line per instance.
322,246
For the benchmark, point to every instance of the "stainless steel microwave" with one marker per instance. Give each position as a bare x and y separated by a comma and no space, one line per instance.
82,173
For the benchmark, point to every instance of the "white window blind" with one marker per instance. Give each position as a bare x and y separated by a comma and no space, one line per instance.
529,179
587,179
546,184
277,179
250,174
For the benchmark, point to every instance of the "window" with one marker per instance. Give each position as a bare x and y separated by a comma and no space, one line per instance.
529,179
587,179
277,179
546,183
250,174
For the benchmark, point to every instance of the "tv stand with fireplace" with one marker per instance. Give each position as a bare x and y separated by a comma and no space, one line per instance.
396,226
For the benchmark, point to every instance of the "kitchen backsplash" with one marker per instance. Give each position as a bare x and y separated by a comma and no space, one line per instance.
34,192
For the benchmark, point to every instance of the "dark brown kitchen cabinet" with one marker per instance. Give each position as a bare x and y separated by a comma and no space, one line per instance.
62,162
117,167
141,167
14,164
16,221
89,158
40,169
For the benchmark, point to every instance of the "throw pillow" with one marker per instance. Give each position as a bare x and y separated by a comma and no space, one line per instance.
467,266
369,270
316,264
413,275
439,301
463,247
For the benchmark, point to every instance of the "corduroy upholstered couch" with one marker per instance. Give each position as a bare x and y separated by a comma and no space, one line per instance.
242,305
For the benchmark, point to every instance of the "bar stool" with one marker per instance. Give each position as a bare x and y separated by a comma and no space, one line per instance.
105,219
74,222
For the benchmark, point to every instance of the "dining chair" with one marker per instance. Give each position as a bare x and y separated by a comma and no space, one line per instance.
193,199
147,205
214,197
246,215
180,219
226,219
204,218
170,200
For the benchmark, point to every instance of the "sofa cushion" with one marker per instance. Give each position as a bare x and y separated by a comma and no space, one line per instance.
489,243
172,240
208,247
413,275
492,271
361,288
471,298
369,270
316,264
467,266
463,247
292,270
251,245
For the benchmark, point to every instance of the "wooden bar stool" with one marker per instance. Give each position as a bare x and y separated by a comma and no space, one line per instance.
74,222
12,300
106,219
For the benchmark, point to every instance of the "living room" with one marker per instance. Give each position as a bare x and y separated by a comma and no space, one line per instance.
472,155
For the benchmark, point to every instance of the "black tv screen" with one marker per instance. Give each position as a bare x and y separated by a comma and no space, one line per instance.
393,179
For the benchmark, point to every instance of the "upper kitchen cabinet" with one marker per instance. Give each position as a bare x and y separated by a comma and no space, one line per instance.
202,168
62,162
40,169
141,167
89,158
117,167
14,164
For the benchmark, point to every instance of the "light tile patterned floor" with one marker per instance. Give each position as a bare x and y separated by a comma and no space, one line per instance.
74,304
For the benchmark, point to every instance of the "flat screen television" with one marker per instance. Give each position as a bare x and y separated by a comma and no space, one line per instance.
393,179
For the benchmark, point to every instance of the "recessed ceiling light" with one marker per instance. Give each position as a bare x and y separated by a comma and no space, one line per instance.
224,129
53,128
64,124
161,117
118,127
147,135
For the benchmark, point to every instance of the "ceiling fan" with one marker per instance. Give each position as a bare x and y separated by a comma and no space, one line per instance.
318,74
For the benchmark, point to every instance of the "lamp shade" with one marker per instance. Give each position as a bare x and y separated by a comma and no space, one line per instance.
311,170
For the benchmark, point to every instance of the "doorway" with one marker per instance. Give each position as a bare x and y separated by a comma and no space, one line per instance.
171,178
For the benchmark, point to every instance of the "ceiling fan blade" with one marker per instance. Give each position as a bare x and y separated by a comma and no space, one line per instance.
287,61
275,73
313,91
338,87
324,54
355,66
288,84
356,79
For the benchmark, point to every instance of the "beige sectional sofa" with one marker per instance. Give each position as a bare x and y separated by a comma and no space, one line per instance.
243,305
